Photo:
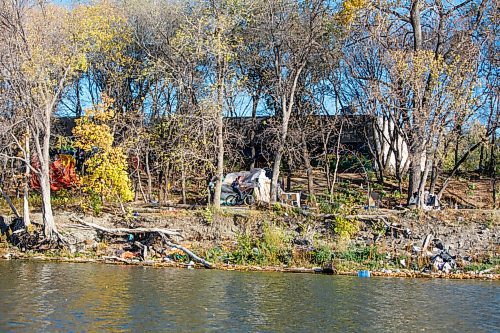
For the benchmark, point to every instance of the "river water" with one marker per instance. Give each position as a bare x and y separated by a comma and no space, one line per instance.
64,297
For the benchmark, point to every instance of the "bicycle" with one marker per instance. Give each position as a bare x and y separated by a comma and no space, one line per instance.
247,198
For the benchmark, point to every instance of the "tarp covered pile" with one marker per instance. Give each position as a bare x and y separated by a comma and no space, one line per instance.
255,178
62,173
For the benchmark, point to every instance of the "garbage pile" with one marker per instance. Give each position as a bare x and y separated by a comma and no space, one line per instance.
442,261
431,201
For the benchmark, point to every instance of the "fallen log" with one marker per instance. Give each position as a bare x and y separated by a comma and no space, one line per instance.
162,232
126,231
117,259
186,251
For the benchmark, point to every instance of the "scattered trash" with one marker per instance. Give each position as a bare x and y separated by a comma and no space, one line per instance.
20,237
190,265
402,262
255,178
443,262
128,255
431,201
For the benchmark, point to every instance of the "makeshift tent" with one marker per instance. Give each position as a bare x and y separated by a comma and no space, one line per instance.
62,173
255,178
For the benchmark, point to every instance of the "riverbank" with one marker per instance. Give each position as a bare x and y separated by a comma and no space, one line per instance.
250,268
458,244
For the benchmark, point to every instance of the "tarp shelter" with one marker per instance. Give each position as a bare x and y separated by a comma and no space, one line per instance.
62,173
255,178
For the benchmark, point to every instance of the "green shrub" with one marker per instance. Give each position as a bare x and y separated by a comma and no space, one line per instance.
361,254
345,228
273,248
95,203
208,214
275,245
321,255
482,265
215,254
244,253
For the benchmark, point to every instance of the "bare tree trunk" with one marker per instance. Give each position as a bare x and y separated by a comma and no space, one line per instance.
287,103
148,173
167,183
423,180
220,128
255,102
416,25
275,176
48,218
220,154
160,187
183,181
434,176
415,177
139,180
307,164
26,208
78,111
326,160
43,149
337,160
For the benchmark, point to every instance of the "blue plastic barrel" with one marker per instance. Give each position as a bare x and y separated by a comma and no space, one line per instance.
364,274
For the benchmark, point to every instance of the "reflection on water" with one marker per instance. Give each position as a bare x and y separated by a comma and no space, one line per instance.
62,297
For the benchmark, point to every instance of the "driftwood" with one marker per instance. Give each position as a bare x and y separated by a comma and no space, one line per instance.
117,259
186,251
126,231
162,232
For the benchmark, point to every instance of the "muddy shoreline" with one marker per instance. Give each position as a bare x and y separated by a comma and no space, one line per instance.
252,268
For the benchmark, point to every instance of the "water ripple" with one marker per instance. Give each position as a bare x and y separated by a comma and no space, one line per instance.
56,297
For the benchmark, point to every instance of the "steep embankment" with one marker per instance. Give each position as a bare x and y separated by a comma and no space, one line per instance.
385,240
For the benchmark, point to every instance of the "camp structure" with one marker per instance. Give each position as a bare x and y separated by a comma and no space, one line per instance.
255,178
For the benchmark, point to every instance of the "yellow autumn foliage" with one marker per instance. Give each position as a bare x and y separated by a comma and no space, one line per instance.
102,29
106,169
53,52
61,42
349,10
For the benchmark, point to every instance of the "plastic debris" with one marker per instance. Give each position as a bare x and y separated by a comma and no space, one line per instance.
443,262
364,274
